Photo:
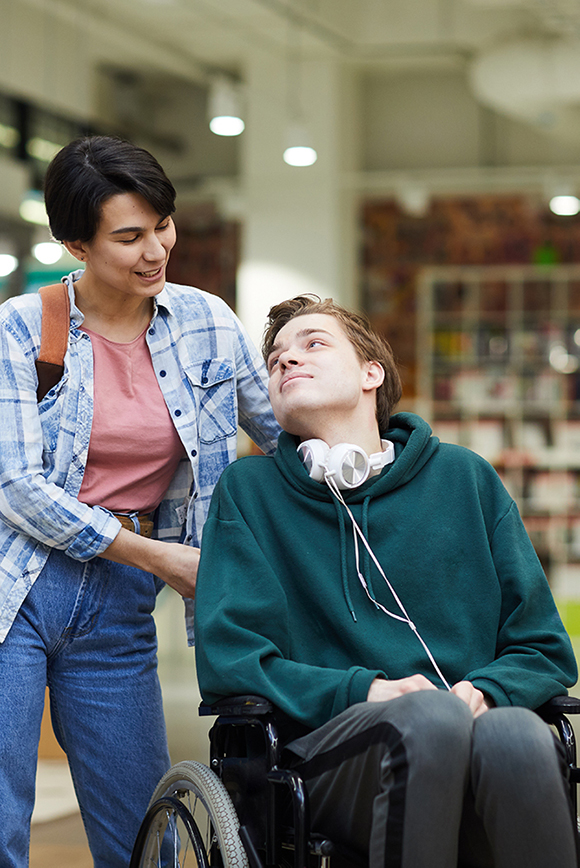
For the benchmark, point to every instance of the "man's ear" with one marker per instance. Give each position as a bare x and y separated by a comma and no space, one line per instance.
76,249
374,376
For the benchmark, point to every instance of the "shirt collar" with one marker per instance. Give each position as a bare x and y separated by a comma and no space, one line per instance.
163,300
76,315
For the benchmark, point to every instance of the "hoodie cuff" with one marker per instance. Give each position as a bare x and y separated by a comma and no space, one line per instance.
360,684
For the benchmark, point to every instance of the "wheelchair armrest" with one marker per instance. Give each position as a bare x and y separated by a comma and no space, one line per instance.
248,704
558,705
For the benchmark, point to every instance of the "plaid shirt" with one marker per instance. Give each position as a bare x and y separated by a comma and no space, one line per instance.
209,374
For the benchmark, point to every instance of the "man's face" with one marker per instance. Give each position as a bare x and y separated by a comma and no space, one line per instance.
315,375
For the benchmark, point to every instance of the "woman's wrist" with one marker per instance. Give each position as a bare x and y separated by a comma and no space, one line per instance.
132,550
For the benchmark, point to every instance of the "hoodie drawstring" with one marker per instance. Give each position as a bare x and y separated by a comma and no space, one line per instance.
344,559
358,534
366,556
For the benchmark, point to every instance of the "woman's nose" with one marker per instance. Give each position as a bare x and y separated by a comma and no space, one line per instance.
154,249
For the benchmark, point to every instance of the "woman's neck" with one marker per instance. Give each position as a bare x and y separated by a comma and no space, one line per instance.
116,317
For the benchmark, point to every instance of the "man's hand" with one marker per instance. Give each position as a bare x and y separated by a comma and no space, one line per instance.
175,563
474,698
381,690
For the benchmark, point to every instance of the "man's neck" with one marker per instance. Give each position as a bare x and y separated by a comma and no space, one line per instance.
369,440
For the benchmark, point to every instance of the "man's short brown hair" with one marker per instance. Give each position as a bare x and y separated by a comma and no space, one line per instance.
369,346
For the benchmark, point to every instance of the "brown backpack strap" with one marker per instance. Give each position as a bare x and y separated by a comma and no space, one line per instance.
54,336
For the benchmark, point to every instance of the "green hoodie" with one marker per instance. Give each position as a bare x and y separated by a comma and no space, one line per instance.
280,610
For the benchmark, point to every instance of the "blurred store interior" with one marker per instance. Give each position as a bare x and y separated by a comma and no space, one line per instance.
432,183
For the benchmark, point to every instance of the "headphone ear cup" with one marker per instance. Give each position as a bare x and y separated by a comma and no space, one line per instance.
314,453
349,464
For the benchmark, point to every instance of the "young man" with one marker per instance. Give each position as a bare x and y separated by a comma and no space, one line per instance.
402,621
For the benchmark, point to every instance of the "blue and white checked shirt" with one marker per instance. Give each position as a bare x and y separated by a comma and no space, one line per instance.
209,373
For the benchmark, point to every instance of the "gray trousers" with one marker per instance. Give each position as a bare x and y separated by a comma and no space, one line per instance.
416,782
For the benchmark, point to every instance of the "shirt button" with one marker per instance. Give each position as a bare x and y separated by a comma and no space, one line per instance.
151,331
162,373
203,381
178,412
194,452
188,538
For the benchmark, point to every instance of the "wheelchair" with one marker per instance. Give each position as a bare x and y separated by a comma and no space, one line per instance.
246,811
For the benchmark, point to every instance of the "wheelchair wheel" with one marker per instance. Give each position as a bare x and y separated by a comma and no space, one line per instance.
190,822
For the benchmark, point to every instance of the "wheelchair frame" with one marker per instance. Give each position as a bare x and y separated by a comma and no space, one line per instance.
244,787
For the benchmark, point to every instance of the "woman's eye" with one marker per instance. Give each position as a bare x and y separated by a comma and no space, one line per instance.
129,240
162,228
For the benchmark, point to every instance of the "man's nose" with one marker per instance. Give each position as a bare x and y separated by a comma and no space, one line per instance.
287,360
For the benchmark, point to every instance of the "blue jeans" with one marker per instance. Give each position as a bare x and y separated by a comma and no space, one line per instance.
86,630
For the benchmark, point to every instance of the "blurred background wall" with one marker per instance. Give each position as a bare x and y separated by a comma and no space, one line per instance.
442,131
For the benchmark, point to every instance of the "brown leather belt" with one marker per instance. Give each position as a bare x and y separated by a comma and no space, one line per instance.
141,523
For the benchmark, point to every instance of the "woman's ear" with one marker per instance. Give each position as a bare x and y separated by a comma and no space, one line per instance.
374,376
76,249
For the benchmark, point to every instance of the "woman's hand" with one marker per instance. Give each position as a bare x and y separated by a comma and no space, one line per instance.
381,689
175,563
179,567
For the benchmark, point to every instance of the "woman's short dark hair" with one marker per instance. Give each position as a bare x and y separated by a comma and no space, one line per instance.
368,344
88,171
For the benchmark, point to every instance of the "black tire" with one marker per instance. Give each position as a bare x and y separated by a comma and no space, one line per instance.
190,822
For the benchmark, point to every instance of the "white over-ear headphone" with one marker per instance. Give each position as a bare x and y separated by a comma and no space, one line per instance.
349,465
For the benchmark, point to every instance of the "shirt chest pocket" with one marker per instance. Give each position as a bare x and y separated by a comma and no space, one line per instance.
214,386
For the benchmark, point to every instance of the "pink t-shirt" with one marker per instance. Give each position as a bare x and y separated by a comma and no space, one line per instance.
134,448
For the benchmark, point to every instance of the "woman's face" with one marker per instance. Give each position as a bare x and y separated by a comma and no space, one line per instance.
131,247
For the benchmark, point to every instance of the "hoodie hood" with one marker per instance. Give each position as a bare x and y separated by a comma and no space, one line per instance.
414,445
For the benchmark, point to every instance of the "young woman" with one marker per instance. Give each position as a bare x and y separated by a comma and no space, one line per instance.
104,488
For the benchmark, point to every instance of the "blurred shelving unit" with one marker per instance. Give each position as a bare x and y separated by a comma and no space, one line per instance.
498,370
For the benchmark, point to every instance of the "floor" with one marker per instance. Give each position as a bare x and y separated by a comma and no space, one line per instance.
57,836
60,843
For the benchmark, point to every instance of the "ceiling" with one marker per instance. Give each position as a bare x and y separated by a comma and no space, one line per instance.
193,37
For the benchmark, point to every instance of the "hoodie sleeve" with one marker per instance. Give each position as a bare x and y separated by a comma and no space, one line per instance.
243,641
534,658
